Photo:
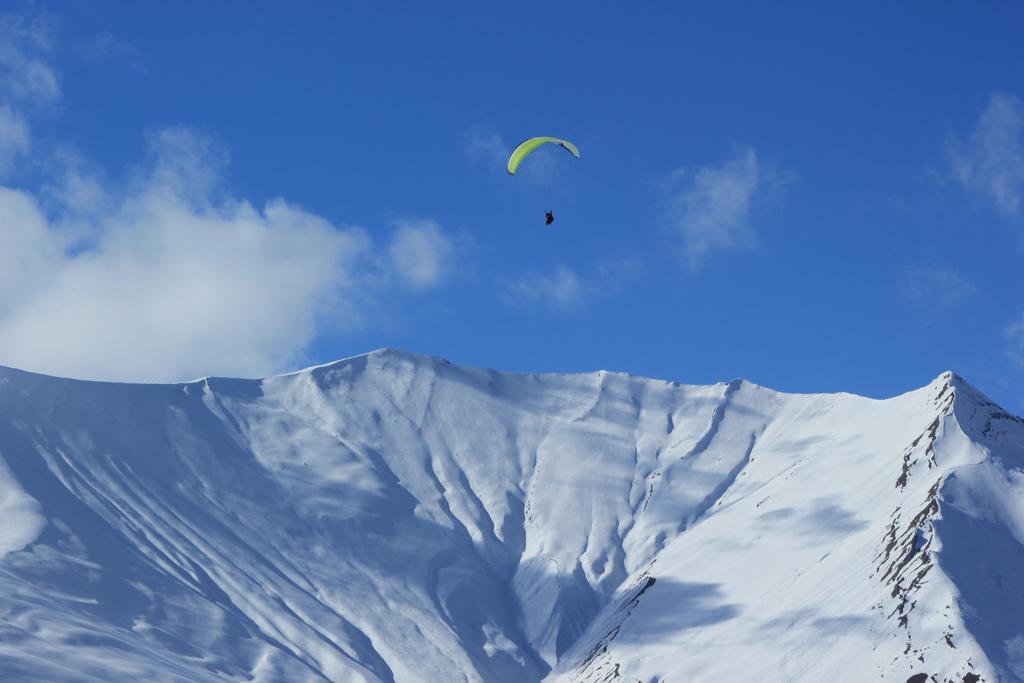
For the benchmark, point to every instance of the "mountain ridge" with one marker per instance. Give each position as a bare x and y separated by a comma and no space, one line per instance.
394,352
392,516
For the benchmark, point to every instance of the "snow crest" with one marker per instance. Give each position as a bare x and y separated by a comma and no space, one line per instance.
393,517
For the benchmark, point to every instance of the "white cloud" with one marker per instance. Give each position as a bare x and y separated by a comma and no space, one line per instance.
482,144
421,255
29,250
15,139
182,162
991,162
25,77
709,207
73,185
163,274
26,81
558,291
934,288
174,280
172,286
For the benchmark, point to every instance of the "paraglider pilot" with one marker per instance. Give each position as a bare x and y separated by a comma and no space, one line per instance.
549,218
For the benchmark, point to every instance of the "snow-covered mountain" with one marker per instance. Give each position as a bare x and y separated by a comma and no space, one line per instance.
393,517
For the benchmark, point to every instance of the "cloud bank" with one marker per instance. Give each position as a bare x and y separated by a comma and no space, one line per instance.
163,274
170,280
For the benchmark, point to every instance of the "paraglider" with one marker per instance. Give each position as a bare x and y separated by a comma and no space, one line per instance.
529,145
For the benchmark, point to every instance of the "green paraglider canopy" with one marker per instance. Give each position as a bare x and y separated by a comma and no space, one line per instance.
527,146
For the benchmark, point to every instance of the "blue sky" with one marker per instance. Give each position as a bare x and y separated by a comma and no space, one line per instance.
817,199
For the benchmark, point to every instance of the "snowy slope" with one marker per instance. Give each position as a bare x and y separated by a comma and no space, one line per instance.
393,517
